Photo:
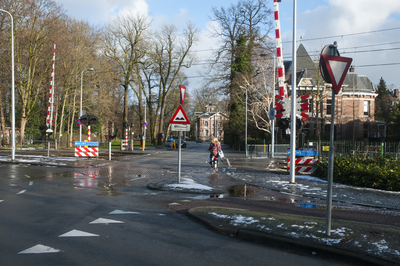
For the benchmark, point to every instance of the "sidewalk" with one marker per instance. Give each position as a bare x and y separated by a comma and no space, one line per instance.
365,226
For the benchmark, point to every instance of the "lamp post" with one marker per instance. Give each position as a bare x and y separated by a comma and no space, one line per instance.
245,133
80,108
145,128
12,89
273,119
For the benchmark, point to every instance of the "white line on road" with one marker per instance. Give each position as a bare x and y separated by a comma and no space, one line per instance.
123,212
31,183
77,233
39,249
22,191
105,221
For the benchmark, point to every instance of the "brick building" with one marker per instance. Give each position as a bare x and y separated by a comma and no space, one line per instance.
210,124
354,104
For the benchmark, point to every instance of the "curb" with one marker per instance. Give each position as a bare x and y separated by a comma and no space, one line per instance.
290,244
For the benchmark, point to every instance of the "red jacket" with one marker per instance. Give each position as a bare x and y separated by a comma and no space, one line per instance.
214,148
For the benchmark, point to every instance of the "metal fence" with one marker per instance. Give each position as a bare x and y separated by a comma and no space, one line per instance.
345,148
265,151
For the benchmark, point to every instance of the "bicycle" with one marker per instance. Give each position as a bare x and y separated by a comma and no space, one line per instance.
214,164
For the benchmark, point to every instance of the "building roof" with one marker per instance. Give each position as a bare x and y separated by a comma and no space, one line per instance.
308,69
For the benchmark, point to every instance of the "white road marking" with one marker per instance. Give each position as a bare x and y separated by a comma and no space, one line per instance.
1,200
76,233
27,176
22,191
31,183
39,249
105,221
123,212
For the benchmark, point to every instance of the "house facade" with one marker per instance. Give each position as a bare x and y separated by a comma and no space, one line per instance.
354,104
210,124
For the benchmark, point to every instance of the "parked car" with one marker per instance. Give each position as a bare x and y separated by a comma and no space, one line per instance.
199,141
168,142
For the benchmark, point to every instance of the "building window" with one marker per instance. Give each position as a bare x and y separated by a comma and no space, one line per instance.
366,131
206,132
329,106
366,108
205,123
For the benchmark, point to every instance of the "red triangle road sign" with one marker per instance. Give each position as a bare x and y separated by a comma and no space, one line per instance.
337,67
179,117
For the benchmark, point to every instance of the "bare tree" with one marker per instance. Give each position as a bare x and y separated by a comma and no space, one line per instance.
124,42
170,54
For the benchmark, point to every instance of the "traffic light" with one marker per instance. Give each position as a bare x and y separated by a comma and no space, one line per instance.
89,119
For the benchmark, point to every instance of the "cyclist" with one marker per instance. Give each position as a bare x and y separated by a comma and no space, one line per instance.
214,146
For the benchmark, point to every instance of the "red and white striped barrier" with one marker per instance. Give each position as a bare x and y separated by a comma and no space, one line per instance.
86,152
279,54
49,119
303,165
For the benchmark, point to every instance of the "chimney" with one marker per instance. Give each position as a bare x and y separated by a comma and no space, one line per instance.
351,68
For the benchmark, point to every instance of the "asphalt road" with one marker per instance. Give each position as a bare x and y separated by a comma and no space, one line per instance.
108,216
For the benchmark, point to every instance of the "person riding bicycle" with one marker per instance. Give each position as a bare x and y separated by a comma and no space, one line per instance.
214,146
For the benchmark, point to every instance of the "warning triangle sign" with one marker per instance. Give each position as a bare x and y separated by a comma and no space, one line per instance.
337,67
179,117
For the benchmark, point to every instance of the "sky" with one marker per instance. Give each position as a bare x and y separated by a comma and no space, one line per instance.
366,30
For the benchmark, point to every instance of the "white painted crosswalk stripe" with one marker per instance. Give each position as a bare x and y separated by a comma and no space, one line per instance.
39,249
77,233
105,221
31,183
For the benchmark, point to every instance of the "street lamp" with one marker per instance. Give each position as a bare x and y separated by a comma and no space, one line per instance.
273,119
245,132
12,89
80,108
145,128
273,106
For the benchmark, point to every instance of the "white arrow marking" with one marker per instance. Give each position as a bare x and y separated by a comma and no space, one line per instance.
105,221
76,233
123,212
39,249
22,191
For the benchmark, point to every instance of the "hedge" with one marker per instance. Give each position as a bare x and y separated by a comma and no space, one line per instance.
376,171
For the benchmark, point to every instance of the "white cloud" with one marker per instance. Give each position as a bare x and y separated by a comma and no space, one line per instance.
99,11
343,18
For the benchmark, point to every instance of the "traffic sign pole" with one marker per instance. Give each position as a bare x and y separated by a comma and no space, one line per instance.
179,157
293,118
333,69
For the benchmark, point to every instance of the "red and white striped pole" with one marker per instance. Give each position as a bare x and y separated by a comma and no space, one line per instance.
49,119
88,133
126,138
279,55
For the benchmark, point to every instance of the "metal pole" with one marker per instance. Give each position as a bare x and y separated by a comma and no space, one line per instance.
273,120
80,109
245,134
12,89
330,168
80,106
109,151
179,157
293,114
144,132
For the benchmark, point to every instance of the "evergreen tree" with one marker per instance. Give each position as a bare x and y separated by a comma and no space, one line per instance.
235,128
382,102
